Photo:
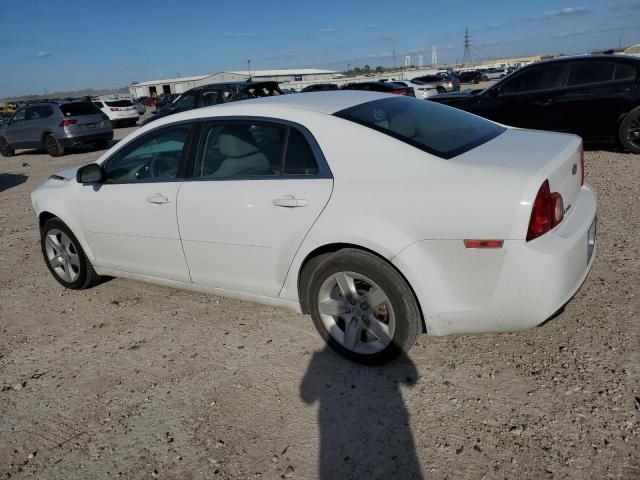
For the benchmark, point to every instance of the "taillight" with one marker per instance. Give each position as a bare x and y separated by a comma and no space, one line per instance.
581,164
113,109
65,123
399,92
547,212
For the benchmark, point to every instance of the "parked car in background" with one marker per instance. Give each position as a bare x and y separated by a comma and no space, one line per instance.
120,112
472,76
320,87
495,73
55,126
140,107
381,86
421,90
452,236
594,96
217,93
441,82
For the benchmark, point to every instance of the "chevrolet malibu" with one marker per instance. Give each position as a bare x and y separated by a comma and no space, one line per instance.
381,216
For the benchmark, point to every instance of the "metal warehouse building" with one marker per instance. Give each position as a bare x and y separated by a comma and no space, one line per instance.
178,85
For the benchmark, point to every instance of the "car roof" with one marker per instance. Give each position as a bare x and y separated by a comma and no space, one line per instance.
594,57
329,101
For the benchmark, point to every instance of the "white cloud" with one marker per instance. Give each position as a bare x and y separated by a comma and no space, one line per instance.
327,30
566,11
43,54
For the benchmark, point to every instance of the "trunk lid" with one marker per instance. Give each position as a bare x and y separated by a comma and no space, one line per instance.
538,156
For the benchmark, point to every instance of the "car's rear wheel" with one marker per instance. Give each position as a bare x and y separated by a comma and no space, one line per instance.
52,145
440,90
5,148
64,256
629,131
362,307
102,144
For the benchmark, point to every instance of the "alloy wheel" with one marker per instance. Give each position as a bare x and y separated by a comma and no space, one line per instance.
62,255
633,131
356,312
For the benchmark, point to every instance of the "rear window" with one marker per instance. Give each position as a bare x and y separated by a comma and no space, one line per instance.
78,108
429,126
120,103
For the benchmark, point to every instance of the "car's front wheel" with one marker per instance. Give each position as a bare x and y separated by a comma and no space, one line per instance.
362,307
52,145
64,256
103,144
630,131
5,148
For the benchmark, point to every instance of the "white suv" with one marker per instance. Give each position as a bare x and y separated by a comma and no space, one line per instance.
120,112
421,89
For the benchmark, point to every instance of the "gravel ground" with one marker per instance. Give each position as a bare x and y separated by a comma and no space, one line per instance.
130,380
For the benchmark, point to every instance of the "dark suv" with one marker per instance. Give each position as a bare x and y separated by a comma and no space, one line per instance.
595,96
54,126
215,94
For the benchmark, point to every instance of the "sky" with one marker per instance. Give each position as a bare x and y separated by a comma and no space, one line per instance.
75,44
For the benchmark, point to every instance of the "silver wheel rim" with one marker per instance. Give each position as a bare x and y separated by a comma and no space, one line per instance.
62,255
356,312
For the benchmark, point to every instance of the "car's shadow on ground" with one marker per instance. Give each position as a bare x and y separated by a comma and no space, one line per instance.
364,424
10,180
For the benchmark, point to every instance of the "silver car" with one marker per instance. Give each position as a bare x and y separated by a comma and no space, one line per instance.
441,82
55,126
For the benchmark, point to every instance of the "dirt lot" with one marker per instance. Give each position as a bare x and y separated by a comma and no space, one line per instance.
130,380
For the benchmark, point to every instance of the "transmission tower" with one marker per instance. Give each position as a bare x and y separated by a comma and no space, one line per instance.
434,55
420,61
466,57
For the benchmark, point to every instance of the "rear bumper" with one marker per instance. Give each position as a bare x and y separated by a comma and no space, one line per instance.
512,288
80,139
129,119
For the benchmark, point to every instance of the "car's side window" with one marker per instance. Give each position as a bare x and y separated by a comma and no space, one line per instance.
40,112
625,71
299,159
186,102
20,115
98,104
541,78
238,149
584,73
211,97
155,157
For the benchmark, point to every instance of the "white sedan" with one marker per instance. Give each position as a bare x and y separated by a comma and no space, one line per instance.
380,215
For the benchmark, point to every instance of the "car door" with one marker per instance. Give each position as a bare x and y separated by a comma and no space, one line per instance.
597,94
257,188
34,126
130,218
16,131
527,99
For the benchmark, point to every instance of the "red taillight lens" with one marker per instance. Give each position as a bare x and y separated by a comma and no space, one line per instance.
547,212
399,92
65,123
113,109
581,164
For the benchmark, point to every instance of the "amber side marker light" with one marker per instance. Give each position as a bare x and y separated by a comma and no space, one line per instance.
483,243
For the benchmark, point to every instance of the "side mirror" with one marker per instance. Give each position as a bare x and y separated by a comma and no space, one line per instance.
91,173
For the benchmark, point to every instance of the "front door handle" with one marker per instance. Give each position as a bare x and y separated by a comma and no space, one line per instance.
290,201
158,199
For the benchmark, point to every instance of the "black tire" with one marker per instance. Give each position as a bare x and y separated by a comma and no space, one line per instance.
52,145
440,90
86,275
5,148
408,321
629,131
103,144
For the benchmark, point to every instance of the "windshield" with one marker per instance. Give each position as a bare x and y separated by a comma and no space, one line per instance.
429,126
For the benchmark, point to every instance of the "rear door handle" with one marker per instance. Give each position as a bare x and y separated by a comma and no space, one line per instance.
290,201
158,199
